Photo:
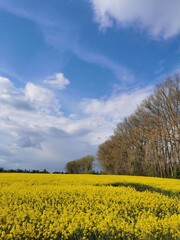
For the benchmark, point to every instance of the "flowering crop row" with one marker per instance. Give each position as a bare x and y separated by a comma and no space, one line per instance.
86,207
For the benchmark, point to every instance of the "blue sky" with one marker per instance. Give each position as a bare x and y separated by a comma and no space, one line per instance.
71,70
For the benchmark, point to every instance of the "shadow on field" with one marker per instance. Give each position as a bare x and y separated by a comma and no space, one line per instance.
143,187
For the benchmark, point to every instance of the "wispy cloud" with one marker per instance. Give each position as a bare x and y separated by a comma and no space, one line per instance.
121,72
65,37
14,8
69,41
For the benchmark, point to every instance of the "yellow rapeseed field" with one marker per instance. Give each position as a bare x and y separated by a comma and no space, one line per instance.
47,206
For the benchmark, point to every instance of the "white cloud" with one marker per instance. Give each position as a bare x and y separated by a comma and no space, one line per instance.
117,105
34,134
7,87
161,17
57,81
106,113
42,97
10,96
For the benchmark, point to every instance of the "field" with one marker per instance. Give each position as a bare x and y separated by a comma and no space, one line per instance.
47,206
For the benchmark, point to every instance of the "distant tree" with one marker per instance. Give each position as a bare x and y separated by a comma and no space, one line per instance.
44,171
82,165
71,167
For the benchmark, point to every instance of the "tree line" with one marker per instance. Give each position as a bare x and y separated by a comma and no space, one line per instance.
2,170
44,171
147,142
